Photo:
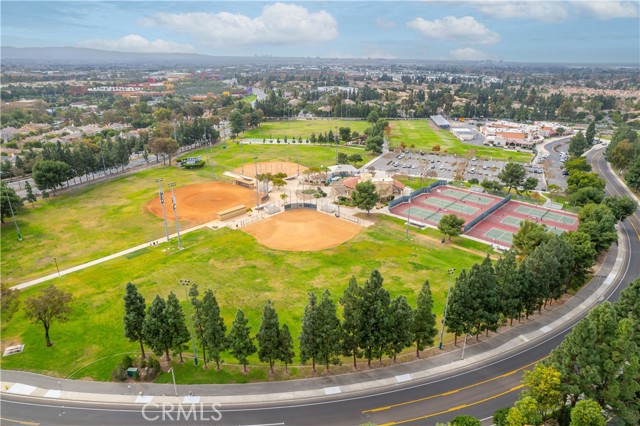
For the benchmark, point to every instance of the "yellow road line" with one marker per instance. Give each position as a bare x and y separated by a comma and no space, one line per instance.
449,410
20,422
451,392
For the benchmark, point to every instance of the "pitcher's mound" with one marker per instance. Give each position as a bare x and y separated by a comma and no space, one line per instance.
273,167
302,230
201,202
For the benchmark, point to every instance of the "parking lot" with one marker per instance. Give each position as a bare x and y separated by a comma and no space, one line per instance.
431,165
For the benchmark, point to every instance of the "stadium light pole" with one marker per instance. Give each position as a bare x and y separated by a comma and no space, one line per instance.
446,306
14,217
185,284
175,213
164,214
255,162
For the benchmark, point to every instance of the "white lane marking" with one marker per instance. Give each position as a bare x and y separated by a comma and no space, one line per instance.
144,399
545,329
523,338
191,400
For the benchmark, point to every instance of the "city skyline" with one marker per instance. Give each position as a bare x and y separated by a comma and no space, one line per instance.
522,31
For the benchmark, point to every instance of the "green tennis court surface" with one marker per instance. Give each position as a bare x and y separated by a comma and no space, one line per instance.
499,235
511,220
417,212
449,205
555,230
546,215
474,198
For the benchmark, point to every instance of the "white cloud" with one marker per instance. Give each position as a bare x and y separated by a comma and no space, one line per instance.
608,9
383,23
139,44
465,29
549,11
469,54
279,23
377,54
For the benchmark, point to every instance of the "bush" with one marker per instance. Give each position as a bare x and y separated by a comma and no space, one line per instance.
119,374
500,416
127,362
12,145
465,420
474,181
197,165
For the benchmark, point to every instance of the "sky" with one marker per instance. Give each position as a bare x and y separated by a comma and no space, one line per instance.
578,31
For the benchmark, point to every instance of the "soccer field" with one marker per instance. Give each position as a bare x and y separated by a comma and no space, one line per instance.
302,128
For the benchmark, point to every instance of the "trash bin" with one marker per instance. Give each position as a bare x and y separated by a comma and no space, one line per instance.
132,372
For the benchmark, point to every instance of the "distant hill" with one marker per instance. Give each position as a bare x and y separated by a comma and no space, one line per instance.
84,56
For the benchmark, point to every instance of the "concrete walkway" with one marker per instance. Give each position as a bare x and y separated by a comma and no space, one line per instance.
510,339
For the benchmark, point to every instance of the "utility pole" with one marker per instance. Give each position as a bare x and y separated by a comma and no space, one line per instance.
446,306
14,217
164,214
175,213
185,284
255,161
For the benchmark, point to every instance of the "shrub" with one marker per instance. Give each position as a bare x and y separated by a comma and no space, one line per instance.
197,165
127,362
119,374
474,181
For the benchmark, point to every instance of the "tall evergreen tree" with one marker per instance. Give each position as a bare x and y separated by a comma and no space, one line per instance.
423,327
458,316
590,134
329,331
600,360
239,340
583,253
374,320
268,336
285,347
199,319
511,292
30,197
560,251
215,329
155,330
351,311
489,292
308,342
628,306
134,313
400,326
176,325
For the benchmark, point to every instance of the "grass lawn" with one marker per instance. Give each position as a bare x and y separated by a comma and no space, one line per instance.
250,98
101,219
421,134
303,128
241,272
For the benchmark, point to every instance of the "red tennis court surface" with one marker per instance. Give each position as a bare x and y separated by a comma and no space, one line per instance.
443,200
499,227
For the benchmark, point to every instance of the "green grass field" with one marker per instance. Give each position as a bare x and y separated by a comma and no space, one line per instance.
250,98
421,134
101,219
303,128
242,273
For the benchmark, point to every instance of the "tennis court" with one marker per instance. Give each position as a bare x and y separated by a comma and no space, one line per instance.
472,197
450,205
546,215
415,212
511,221
499,235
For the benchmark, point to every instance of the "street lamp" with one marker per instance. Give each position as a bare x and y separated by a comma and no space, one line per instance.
175,213
185,284
164,214
446,306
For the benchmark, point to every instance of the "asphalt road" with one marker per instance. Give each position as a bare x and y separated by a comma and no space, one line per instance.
477,391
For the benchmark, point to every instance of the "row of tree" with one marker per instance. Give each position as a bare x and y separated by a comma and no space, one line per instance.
372,325
592,376
624,154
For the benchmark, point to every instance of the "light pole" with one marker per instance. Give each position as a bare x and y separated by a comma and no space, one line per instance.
173,376
255,161
175,213
185,284
446,306
14,217
465,345
164,214
241,155
57,269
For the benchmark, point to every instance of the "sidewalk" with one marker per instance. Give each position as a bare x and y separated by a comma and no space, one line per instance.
509,340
